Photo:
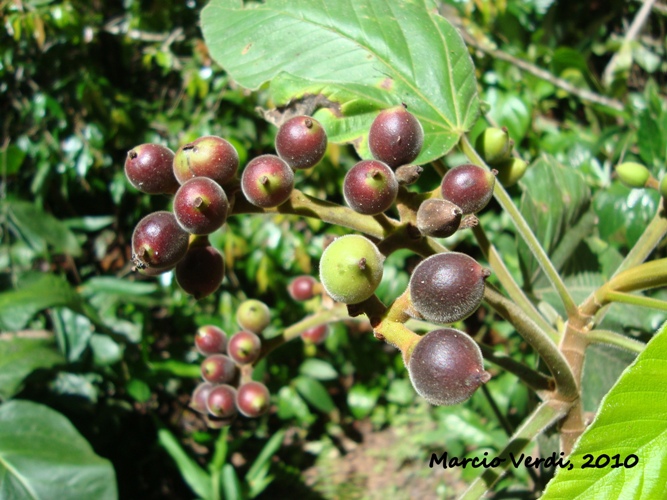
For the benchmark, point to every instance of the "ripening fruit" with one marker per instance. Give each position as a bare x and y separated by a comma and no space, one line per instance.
468,186
218,369
221,401
301,142
244,347
351,269
370,187
632,174
253,315
208,156
316,334
200,206
438,218
158,241
302,288
210,339
447,287
267,181
201,271
494,145
446,367
253,399
395,137
663,186
148,167
510,171
199,397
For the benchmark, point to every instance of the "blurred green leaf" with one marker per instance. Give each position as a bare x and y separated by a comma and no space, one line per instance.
602,367
74,332
11,159
117,286
362,400
40,229
20,356
414,56
139,390
42,455
231,486
315,393
318,369
196,477
35,292
106,351
257,476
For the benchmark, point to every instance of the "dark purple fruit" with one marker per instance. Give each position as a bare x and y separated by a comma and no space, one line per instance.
267,181
370,187
302,288
253,315
199,397
438,218
446,367
210,339
316,334
218,369
221,401
301,142
244,347
396,137
201,206
158,242
447,287
468,186
148,167
208,156
201,271
253,399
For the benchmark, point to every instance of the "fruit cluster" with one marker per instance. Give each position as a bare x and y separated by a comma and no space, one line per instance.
445,365
227,388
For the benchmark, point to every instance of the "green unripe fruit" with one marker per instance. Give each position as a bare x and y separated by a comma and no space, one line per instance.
632,174
494,145
253,315
663,187
510,171
351,269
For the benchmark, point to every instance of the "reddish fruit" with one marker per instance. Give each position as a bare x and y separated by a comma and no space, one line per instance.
316,334
208,156
210,339
199,397
221,401
253,399
468,186
201,206
201,271
396,137
447,287
148,167
446,367
302,288
267,181
438,218
301,142
218,369
370,187
244,347
158,242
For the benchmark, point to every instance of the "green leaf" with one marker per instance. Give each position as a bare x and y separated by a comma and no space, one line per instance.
117,286
74,332
231,484
554,198
362,400
106,351
19,357
318,369
196,477
257,476
339,51
11,158
42,455
631,421
40,229
34,293
315,393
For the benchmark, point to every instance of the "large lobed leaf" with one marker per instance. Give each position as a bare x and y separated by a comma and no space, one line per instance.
43,456
632,420
360,55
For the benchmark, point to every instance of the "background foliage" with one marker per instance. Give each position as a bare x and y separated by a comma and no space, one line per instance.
111,351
